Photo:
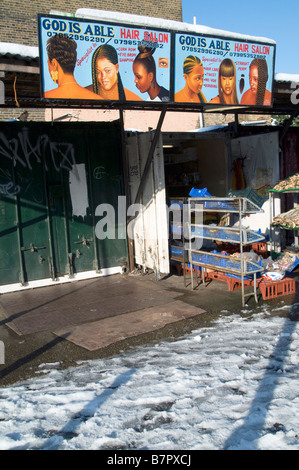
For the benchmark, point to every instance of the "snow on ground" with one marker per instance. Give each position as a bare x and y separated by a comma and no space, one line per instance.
233,385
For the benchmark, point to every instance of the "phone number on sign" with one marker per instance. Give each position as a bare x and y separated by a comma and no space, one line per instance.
222,53
124,42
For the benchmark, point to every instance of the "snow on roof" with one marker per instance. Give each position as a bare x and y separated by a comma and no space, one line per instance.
9,48
286,77
150,22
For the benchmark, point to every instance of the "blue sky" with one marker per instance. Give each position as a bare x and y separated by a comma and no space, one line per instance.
273,19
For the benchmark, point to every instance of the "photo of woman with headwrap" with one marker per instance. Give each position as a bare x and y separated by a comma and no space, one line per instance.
227,89
194,77
106,79
258,77
62,57
144,68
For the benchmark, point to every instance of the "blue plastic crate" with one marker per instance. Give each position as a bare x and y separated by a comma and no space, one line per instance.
229,235
236,276
176,251
216,205
199,193
293,265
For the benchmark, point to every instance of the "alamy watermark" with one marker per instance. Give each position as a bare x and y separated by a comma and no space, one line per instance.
295,93
2,353
113,223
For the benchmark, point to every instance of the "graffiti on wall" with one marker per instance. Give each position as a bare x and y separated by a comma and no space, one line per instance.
25,151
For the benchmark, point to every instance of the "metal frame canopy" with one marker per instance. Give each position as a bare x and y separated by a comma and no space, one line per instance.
157,64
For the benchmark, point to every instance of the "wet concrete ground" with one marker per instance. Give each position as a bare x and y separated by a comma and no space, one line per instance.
30,321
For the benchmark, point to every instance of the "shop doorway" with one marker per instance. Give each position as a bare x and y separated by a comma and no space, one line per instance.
149,228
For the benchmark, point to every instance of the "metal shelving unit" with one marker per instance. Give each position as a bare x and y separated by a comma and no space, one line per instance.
236,266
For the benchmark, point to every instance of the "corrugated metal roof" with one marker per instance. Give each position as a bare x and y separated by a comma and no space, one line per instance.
18,51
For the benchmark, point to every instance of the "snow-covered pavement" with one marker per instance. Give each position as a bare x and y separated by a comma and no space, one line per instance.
233,385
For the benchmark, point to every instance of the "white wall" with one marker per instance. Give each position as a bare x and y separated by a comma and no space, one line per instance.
261,171
137,120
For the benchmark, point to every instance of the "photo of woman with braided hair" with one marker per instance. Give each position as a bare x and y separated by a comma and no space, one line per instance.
62,57
106,79
144,68
258,77
194,77
227,88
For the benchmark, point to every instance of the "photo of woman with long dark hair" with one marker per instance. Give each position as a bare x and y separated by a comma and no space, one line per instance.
227,89
144,68
194,78
106,79
258,77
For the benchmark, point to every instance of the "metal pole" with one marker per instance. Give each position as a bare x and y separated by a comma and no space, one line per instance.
150,154
126,185
96,258
19,231
241,251
49,223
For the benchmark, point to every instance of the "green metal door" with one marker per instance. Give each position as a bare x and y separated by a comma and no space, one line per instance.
106,183
33,222
24,231
53,177
9,233
70,202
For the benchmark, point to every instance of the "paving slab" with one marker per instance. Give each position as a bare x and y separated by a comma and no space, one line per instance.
102,333
50,308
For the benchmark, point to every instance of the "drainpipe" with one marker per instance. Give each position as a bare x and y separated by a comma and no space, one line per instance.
200,116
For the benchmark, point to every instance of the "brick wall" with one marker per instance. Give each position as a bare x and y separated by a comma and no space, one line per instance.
18,23
212,119
34,114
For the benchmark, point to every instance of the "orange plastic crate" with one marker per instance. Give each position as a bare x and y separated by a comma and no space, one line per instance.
209,275
215,276
274,289
234,283
188,270
260,248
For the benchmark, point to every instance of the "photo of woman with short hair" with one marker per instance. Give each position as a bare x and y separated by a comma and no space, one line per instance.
62,57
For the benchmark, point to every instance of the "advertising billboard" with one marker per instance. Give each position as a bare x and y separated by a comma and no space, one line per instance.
87,60
222,71
104,61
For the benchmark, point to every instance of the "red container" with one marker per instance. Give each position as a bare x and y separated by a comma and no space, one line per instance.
274,289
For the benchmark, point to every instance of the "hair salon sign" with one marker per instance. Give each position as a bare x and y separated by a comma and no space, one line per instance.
101,61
